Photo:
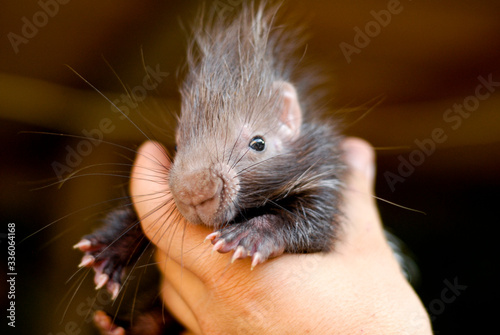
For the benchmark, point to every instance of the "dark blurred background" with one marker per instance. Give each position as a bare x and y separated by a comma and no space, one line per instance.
407,70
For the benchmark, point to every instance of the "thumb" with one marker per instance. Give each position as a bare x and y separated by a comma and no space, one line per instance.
360,157
155,206
363,226
358,196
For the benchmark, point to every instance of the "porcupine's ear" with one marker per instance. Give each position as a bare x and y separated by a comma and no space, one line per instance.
290,114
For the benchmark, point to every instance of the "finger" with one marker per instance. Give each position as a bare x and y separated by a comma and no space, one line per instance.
160,220
364,238
365,252
363,221
149,178
360,157
181,291
152,199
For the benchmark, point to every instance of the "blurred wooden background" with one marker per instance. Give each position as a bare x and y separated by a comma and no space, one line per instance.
426,59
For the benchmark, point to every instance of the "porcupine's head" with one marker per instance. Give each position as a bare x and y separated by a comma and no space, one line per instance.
240,121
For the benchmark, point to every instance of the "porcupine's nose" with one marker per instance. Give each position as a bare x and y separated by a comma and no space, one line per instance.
198,196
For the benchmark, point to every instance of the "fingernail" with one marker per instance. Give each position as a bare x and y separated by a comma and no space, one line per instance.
359,155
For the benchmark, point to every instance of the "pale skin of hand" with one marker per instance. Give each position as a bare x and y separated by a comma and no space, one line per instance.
355,289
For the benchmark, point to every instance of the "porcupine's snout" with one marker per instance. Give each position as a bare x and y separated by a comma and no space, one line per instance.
198,196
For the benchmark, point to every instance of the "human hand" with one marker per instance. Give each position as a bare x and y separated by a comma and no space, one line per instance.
357,288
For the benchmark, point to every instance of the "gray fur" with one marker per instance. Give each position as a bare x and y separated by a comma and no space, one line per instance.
285,202
240,79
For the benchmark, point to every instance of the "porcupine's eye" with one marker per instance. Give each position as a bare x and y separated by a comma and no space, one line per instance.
257,143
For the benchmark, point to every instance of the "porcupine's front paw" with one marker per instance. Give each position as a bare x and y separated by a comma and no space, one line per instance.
103,259
257,238
111,248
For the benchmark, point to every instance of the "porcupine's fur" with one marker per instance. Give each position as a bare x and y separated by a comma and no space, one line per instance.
228,91
237,71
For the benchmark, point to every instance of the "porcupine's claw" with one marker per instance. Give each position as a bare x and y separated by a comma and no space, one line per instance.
212,236
241,253
111,248
83,245
107,265
87,260
253,238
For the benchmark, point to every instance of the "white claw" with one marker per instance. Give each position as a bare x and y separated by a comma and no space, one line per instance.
212,236
238,253
218,246
83,245
256,260
114,288
101,280
86,261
